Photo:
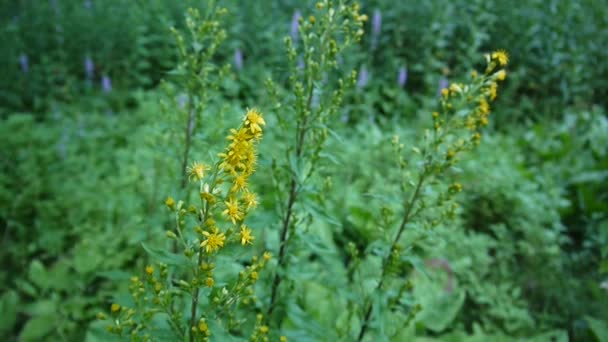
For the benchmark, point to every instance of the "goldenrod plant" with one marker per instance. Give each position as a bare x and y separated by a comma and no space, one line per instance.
183,291
425,200
316,89
195,75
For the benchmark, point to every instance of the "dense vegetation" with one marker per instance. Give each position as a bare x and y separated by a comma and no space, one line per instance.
369,223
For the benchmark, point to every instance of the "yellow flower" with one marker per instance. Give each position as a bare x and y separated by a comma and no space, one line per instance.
170,202
203,327
501,75
267,256
197,170
240,183
254,275
232,210
115,308
264,329
253,120
501,56
484,107
283,339
492,91
149,270
246,237
250,200
209,282
214,241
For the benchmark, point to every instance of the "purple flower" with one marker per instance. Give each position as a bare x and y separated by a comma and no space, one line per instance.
443,83
295,25
376,27
182,100
301,63
25,64
89,67
402,76
363,78
106,84
238,59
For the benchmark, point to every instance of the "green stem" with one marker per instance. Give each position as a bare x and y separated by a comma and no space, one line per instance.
406,218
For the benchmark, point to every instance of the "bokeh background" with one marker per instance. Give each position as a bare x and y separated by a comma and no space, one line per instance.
87,156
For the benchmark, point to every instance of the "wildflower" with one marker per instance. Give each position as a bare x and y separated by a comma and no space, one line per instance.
253,120
89,67
149,270
264,329
106,84
214,241
267,256
238,59
254,275
250,200
402,76
203,327
209,282
207,197
232,210
295,25
240,183
115,308
443,84
363,78
501,75
484,107
246,237
312,19
376,26
283,339
197,170
501,56
24,62
170,202
492,91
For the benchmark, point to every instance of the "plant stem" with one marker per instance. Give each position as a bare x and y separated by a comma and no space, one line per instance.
188,134
404,222
300,137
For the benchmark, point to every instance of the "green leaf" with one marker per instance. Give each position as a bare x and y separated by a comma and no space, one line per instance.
166,257
8,307
599,328
36,328
38,274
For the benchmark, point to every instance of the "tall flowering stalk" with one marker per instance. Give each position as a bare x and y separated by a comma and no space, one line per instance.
202,230
316,96
196,72
463,110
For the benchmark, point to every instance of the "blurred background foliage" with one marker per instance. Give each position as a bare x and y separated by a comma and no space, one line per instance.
87,157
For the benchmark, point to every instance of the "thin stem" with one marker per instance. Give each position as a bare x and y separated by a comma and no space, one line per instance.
300,138
188,134
404,222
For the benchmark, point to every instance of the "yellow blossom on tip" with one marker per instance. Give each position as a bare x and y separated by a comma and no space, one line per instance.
239,183
253,120
214,241
501,75
149,270
232,210
246,237
115,308
484,106
197,170
209,282
264,329
501,56
250,200
267,256
492,92
203,327
170,202
445,92
254,275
